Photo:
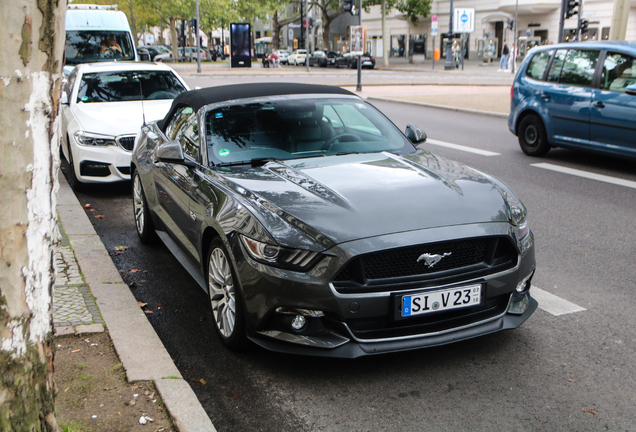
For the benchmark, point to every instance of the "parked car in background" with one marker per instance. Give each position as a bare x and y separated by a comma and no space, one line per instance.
190,53
283,56
102,112
157,52
351,61
275,199
298,57
322,58
578,96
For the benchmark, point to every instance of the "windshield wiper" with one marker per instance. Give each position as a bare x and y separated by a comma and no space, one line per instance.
255,162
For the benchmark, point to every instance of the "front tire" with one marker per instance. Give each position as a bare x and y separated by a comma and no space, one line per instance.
533,138
73,181
143,221
225,297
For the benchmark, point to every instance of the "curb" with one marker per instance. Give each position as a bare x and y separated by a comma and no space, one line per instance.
139,348
449,108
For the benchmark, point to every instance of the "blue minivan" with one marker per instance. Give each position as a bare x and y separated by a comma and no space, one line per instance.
576,95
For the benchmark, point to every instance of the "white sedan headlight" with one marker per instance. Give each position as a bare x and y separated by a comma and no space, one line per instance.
92,139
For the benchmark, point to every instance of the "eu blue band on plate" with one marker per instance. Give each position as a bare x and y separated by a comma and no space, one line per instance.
406,306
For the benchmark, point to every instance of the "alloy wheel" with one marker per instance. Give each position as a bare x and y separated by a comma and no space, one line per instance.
138,205
222,294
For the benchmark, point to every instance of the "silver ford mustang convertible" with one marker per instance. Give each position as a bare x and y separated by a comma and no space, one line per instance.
317,227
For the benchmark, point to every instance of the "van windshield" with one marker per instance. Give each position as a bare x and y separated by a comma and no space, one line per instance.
87,46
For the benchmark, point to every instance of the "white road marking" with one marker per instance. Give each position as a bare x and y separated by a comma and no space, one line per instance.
588,175
462,148
553,304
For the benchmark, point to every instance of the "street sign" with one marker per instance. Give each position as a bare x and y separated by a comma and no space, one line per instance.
434,18
290,35
434,28
464,20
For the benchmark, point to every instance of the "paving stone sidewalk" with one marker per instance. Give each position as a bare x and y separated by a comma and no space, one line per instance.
74,308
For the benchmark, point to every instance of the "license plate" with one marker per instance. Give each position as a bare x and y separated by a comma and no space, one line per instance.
441,300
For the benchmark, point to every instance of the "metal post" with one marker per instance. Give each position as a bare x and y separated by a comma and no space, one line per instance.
461,53
579,35
449,41
516,38
562,19
359,84
433,52
301,42
196,34
307,38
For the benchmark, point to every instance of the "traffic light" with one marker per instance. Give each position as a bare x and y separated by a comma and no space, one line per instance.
350,6
193,23
572,5
511,24
584,24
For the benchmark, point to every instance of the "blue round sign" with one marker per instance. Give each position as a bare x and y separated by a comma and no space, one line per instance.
464,18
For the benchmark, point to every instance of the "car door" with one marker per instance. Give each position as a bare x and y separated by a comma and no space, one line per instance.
613,118
173,184
568,95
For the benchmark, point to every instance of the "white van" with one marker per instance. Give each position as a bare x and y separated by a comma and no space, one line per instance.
97,33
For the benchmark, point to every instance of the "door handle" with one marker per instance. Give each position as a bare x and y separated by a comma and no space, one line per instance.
598,104
545,96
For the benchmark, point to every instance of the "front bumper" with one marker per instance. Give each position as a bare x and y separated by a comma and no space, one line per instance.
364,323
101,164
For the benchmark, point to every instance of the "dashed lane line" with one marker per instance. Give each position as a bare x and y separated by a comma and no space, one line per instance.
586,174
553,304
462,148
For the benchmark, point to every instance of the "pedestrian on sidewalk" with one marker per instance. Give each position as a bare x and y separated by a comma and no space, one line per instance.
273,58
503,64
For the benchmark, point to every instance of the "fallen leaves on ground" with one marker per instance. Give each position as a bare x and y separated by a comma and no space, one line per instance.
122,248
142,304
589,411
86,206
99,216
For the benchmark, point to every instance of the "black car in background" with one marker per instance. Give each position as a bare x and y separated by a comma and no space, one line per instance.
323,58
351,61
317,227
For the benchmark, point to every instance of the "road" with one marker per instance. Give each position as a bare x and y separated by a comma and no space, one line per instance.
557,372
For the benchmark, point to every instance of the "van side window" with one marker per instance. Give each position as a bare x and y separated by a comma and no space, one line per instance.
619,71
578,68
537,65
557,64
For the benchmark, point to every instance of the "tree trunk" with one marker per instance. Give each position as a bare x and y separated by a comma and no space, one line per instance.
275,31
31,46
133,23
173,38
386,44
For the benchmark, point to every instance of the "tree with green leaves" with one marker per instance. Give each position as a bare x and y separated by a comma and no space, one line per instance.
329,11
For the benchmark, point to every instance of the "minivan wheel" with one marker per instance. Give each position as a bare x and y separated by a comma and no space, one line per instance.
532,136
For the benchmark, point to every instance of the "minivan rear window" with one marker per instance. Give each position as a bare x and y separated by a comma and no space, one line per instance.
537,65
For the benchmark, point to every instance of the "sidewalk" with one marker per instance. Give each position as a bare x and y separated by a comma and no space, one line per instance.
89,292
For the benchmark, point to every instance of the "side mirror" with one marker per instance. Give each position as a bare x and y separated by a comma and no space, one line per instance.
171,152
631,90
64,98
414,134
144,55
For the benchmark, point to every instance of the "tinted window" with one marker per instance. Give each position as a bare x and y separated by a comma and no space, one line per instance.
290,128
578,68
93,46
557,64
619,71
537,65
189,137
128,85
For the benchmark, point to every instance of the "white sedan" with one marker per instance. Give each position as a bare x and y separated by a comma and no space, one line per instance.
297,57
103,111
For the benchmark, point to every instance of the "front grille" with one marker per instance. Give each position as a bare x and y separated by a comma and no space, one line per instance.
466,257
126,142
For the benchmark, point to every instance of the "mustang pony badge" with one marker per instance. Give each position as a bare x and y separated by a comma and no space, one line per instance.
432,259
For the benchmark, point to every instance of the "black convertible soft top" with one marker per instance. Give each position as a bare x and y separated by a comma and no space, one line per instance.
199,98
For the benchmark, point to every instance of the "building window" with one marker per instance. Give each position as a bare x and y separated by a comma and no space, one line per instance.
257,34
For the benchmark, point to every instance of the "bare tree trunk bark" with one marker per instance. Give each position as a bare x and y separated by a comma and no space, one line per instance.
275,31
133,23
31,46
173,38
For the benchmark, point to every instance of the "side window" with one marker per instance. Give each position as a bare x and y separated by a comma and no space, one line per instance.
557,64
178,120
189,137
619,71
354,119
578,68
537,65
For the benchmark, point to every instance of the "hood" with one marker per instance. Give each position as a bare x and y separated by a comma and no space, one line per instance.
358,196
119,118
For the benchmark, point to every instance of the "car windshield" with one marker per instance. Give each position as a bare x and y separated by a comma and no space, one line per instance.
84,46
128,85
293,127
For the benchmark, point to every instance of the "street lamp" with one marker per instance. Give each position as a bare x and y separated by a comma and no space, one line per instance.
449,40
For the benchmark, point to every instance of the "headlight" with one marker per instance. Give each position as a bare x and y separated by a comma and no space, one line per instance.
518,216
287,258
91,139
